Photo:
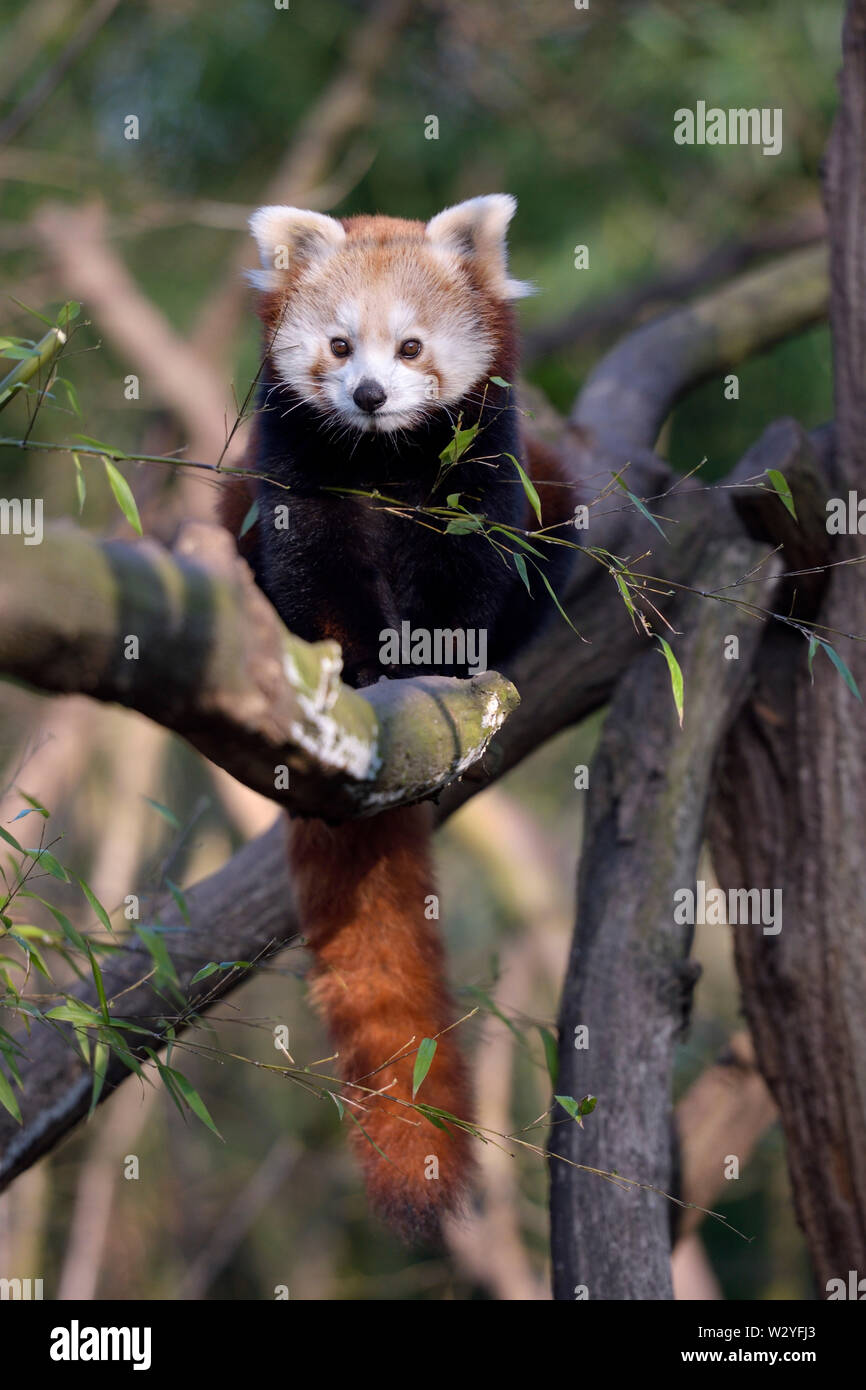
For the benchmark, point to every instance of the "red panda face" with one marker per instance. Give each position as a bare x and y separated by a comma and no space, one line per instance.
378,322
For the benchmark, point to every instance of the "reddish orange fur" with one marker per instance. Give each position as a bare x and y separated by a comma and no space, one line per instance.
379,981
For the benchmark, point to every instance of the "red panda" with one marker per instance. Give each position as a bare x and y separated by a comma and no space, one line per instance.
382,338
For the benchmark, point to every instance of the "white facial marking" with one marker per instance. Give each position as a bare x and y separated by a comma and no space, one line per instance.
412,299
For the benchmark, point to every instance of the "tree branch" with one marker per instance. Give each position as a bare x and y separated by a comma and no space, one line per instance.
198,648
641,379
584,326
628,981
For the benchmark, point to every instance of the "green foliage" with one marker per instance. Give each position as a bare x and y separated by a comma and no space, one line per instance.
781,488
111,1034
423,1061
676,676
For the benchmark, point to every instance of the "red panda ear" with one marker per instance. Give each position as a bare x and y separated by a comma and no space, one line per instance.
287,237
476,229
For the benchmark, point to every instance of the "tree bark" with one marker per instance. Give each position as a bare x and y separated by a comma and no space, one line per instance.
629,982
791,796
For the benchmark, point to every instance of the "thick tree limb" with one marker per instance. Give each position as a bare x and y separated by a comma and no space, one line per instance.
628,981
629,394
584,326
214,663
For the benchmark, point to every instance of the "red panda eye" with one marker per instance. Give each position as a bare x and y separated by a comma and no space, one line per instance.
340,348
410,348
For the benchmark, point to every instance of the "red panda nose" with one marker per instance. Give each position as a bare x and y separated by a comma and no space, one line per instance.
369,395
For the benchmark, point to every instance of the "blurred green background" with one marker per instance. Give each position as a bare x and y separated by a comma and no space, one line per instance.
572,111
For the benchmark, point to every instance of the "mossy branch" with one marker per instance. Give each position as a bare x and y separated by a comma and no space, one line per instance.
187,639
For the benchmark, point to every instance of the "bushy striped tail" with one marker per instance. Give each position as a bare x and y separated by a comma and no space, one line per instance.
378,979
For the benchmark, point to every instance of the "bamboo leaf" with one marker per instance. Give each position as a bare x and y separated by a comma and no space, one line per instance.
94,903
781,487
249,520
100,1066
520,566
123,496
102,447
676,677
641,506
80,484
456,447
206,970
423,1060
7,1098
10,840
841,668
164,812
100,985
194,1100
179,899
551,1053
33,804
528,488
549,587
48,861
463,525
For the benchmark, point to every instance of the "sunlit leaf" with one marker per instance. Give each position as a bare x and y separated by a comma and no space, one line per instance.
80,484
676,677
7,1098
781,487
456,447
103,448
210,969
423,1059
98,981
